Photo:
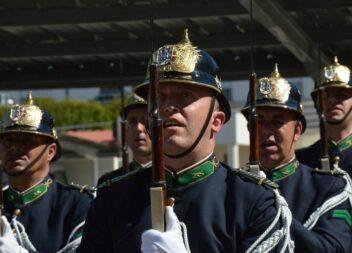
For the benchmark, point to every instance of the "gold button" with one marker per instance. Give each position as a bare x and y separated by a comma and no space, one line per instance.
17,212
171,201
337,159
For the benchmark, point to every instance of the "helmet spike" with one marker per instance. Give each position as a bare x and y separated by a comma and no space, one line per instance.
276,74
30,100
336,61
185,39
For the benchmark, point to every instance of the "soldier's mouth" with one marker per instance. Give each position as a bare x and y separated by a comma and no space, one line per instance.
171,123
268,146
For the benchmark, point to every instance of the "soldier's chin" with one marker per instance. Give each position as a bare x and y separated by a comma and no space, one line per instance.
334,120
173,149
269,161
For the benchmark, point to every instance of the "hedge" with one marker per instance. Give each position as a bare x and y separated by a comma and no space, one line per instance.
77,112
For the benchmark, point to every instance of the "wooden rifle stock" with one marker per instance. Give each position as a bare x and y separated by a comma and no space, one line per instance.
125,162
158,186
253,126
324,159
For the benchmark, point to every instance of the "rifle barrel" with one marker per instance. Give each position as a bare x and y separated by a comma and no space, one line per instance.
253,122
158,186
324,159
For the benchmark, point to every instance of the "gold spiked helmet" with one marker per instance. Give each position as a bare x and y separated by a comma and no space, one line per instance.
275,91
186,64
134,101
334,75
29,118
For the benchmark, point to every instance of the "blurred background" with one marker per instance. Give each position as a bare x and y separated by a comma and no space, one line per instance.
78,55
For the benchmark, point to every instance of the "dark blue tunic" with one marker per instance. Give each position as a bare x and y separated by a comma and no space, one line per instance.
223,212
50,218
110,177
311,154
305,190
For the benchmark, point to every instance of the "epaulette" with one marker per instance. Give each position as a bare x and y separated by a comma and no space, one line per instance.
333,172
256,178
84,188
109,181
109,175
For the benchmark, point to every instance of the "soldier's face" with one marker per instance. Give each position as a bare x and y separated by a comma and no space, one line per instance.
137,137
338,104
279,131
18,150
184,109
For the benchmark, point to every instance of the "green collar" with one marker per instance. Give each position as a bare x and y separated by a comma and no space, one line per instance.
284,171
30,194
193,173
343,144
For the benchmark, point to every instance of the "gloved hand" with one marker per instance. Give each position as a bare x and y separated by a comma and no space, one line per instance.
8,242
170,241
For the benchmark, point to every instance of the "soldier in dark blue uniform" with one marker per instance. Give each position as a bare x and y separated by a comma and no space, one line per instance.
137,138
42,215
319,201
338,117
223,209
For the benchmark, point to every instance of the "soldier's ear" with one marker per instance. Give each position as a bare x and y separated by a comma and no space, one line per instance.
51,151
218,120
298,130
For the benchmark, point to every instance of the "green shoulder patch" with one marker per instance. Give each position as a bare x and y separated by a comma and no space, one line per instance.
342,214
333,172
256,178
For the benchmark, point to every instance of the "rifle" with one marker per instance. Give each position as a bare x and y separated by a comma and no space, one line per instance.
125,163
253,116
324,159
253,126
158,186
1,203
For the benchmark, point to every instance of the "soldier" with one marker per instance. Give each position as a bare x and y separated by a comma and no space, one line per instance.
318,202
223,209
338,118
137,139
42,215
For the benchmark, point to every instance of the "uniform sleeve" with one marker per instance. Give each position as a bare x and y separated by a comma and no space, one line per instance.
261,217
332,233
76,219
96,235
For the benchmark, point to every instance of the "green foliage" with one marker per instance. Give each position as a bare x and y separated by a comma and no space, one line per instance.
77,112
2,109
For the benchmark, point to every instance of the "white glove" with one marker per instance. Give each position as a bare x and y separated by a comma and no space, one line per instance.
170,241
8,242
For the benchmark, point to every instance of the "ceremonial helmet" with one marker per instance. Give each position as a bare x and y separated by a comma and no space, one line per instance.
186,64
275,91
334,75
133,101
29,118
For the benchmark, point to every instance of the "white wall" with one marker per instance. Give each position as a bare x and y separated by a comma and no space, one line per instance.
82,170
